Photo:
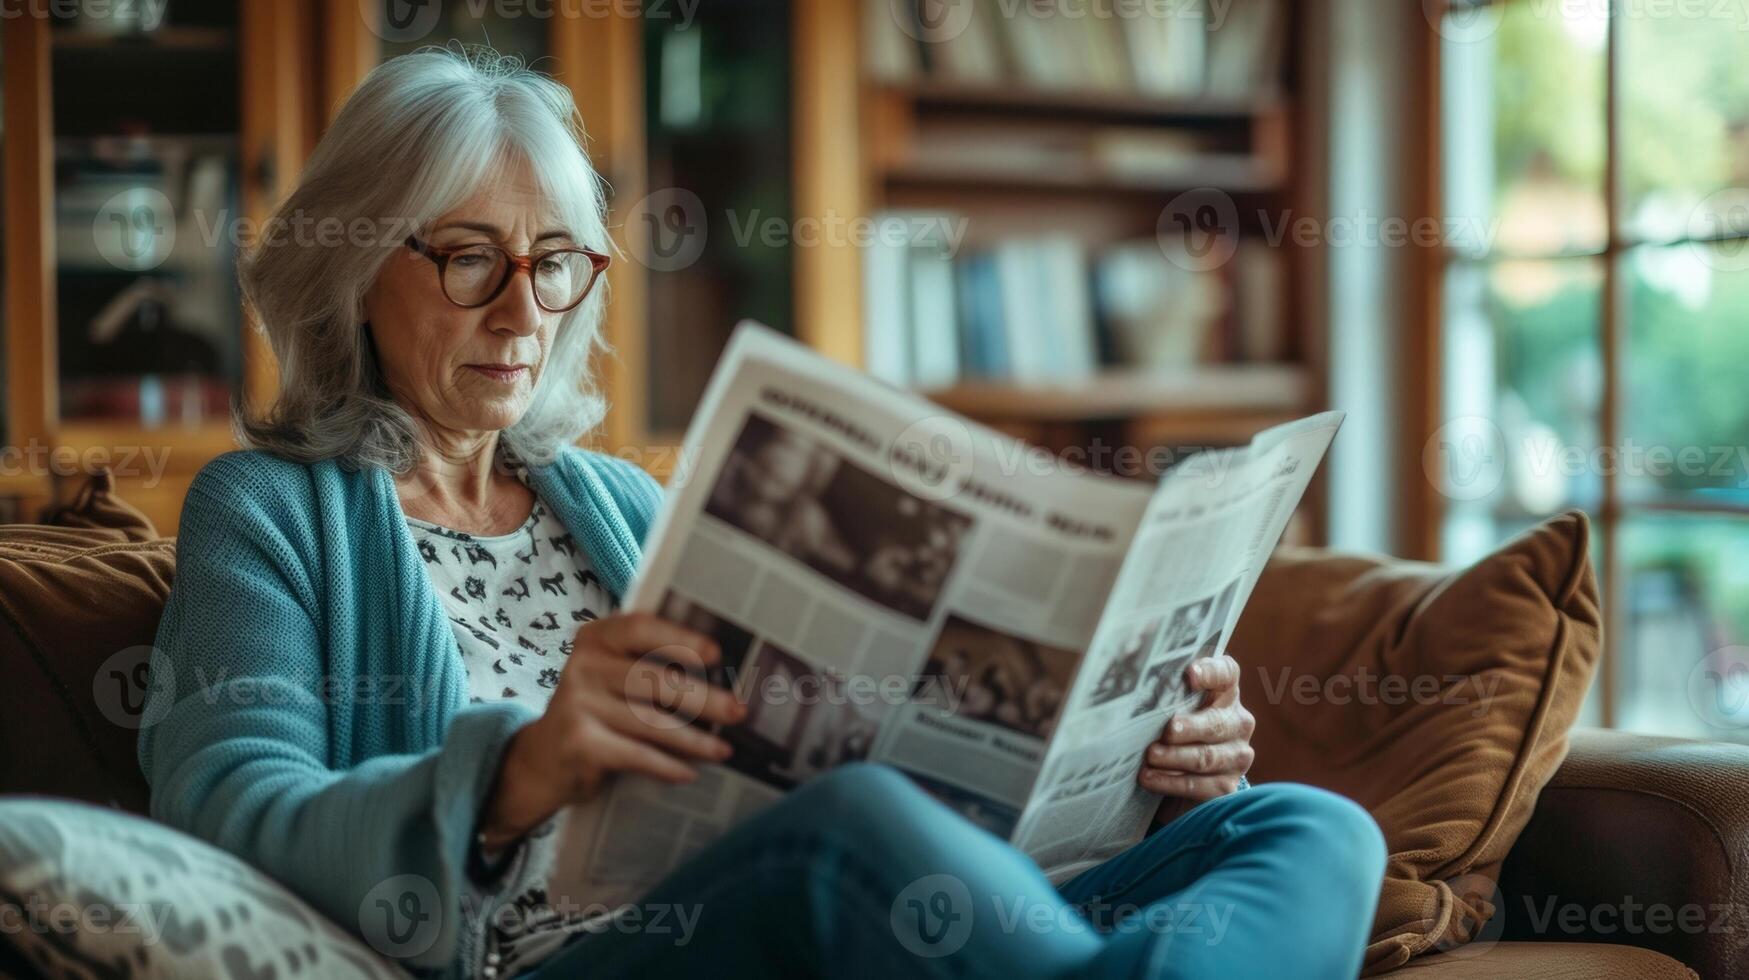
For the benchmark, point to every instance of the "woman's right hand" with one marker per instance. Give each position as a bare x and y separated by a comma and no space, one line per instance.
625,702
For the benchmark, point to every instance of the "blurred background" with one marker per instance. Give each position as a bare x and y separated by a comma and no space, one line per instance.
1510,238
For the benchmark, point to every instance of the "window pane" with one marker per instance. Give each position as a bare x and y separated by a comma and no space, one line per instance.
1525,137
1523,386
1687,604
1686,407
1685,111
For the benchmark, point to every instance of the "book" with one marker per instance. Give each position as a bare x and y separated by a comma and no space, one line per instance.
910,313
1157,312
935,340
1245,52
890,53
890,582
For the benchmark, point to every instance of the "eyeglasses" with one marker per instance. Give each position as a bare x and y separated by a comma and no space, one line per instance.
474,275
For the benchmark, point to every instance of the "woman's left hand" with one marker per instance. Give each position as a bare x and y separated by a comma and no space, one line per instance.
1203,753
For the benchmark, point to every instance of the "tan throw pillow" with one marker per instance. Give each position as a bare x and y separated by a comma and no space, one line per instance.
1440,700
80,599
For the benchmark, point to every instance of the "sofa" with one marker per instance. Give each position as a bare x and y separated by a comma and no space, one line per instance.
1631,863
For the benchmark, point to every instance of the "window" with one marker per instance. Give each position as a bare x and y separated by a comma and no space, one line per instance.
1595,336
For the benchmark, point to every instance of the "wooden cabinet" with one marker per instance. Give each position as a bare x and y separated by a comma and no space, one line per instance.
137,157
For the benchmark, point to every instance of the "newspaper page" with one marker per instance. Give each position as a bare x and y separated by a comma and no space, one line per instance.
1201,547
887,581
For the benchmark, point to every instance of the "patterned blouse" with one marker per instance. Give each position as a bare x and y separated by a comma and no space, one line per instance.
516,601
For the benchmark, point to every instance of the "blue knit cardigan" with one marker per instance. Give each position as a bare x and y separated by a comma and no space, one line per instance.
308,704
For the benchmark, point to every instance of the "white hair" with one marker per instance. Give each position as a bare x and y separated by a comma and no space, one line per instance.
421,134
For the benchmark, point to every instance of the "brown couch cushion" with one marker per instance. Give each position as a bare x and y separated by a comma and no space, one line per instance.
79,605
1438,699
1545,961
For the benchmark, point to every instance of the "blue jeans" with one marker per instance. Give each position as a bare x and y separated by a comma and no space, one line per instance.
859,873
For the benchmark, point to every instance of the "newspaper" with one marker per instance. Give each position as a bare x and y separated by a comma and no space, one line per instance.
891,582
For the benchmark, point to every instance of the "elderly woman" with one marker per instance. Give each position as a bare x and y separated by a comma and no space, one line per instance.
391,666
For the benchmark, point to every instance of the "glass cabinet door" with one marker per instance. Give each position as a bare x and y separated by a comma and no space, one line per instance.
146,121
718,236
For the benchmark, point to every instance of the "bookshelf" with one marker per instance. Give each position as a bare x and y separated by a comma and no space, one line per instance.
835,134
1093,162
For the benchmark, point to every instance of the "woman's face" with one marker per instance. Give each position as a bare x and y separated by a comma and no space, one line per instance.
468,370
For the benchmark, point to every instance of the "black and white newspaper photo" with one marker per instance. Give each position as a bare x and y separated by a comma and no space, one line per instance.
1202,545
891,582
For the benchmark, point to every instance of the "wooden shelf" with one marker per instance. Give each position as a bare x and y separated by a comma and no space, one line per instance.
189,447
1119,106
1213,389
23,485
163,39
1234,178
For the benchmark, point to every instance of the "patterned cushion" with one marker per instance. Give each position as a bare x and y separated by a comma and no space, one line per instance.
90,892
